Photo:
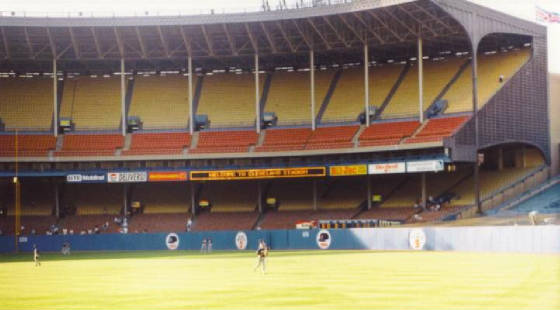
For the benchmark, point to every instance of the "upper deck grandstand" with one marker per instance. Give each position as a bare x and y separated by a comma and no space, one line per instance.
360,82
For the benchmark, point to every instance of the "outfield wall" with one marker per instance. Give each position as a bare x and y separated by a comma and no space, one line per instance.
526,239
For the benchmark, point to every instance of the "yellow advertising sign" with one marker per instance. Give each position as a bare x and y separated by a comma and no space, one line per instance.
250,174
348,170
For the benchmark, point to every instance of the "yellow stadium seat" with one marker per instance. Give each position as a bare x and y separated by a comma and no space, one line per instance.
26,103
92,103
161,102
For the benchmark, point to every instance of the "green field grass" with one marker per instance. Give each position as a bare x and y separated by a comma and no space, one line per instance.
295,280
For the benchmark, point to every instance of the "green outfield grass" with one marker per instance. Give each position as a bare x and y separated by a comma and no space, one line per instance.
295,280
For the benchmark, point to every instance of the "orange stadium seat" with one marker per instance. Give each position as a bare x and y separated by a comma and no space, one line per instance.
28,145
387,133
332,138
91,145
158,143
285,139
236,141
437,129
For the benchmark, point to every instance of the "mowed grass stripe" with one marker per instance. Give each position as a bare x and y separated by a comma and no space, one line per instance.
310,279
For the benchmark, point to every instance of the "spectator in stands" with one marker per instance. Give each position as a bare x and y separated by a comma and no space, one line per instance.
22,230
501,78
96,230
83,232
189,224
105,226
71,231
1,233
33,231
418,207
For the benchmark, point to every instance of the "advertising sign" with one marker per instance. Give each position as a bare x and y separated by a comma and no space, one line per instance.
248,174
385,168
348,170
127,177
167,176
424,166
86,178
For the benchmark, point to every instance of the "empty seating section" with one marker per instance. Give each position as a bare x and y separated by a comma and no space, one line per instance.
225,221
162,197
411,191
28,145
285,139
292,194
231,196
158,143
37,197
169,222
347,101
490,182
343,193
229,99
289,95
490,68
394,214
89,199
332,138
436,75
225,141
533,157
92,103
161,102
438,128
90,144
387,133
26,103
288,219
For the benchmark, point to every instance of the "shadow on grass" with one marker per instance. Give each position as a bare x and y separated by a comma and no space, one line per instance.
85,255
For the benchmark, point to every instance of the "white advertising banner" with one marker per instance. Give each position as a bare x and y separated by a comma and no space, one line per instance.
424,166
127,177
384,168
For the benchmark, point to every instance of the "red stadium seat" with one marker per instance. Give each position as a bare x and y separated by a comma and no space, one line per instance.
28,145
91,144
158,143
387,133
235,141
438,128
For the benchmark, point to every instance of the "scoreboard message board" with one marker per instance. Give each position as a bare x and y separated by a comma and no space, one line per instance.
252,174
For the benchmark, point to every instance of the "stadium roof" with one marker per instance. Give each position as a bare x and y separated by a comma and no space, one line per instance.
389,27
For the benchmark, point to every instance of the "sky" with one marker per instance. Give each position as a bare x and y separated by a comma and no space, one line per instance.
520,8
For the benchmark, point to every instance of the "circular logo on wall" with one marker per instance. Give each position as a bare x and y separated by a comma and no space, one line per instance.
416,239
172,241
324,239
241,240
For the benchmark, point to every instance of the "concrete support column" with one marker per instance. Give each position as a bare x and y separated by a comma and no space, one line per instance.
474,64
191,99
420,81
125,208
123,99
55,99
423,189
500,159
312,87
369,193
257,96
315,195
366,85
260,197
193,199
56,199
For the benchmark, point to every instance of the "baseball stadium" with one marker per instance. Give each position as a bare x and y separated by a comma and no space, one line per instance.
366,154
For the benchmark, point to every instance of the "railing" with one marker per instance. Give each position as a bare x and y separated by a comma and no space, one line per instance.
280,6
507,193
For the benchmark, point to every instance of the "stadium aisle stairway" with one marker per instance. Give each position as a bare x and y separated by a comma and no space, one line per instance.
158,143
161,102
90,144
26,103
234,141
28,145
92,103
438,128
